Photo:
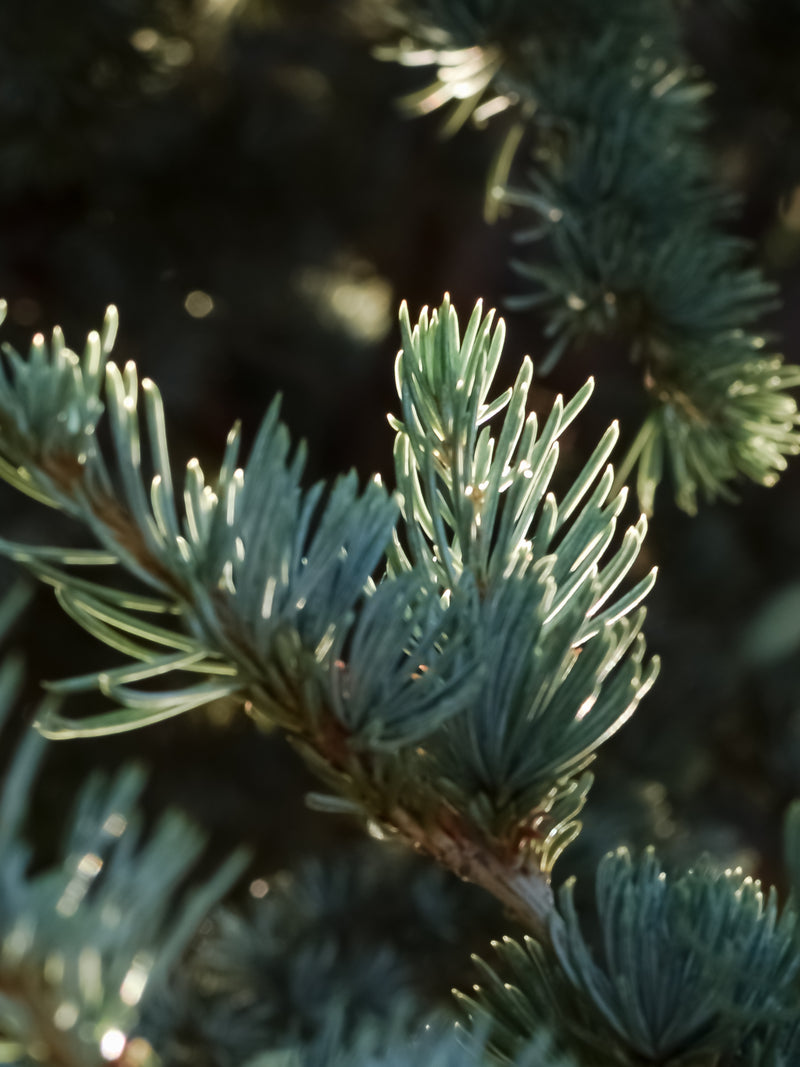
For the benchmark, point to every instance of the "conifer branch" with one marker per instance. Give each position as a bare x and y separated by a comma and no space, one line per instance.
82,938
449,675
697,967
627,220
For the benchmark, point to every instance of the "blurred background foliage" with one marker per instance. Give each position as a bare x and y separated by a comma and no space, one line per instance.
237,177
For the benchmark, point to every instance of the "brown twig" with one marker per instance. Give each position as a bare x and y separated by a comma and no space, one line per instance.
68,474
525,893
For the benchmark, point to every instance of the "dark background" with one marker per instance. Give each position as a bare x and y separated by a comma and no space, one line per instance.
254,156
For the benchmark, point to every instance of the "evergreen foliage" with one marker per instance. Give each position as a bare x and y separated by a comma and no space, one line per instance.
447,656
454,694
628,221
83,938
694,967
502,594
